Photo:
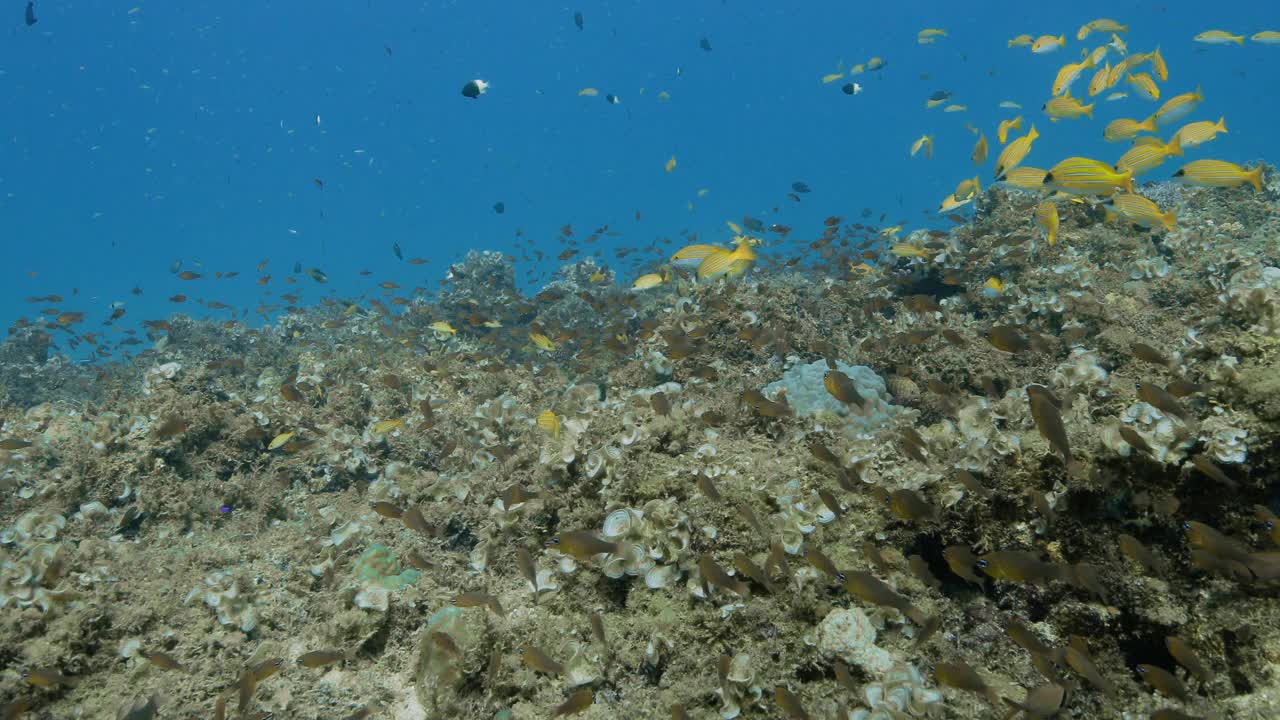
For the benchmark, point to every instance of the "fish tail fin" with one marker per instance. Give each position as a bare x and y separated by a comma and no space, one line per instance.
1222,124
1062,40
1239,39
1127,179
1255,178
1174,147
1088,110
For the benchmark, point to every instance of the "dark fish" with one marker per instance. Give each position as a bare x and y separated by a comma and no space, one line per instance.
395,248
1146,353
1164,681
717,576
705,44
473,89
1079,660
870,589
789,703
1041,702
940,95
962,677
1136,441
800,187
1007,339
1019,566
1162,400
31,14
320,658
580,700
1209,468
822,563
1182,652
1133,549
162,660
920,568
170,427
841,387
577,20
499,207
1049,422
318,275
848,89
540,661
961,561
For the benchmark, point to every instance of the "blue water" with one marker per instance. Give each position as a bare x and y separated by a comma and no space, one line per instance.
194,131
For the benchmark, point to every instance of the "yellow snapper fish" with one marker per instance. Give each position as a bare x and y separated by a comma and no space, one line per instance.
1122,129
1218,37
550,423
730,263
1102,25
951,203
1048,43
1144,86
542,342
955,108
1010,105
691,256
1198,133
1025,177
931,104
1099,81
925,142
1118,45
1021,41
1002,133
930,34
647,282
1066,108
1047,219
1095,56
1067,75
1157,65
980,150
1085,176
1116,74
909,250
968,188
1219,174
1178,107
443,328
1266,37
1014,152
1138,209
1117,96
1148,156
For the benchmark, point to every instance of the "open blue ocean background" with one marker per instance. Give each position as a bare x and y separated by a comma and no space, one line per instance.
134,136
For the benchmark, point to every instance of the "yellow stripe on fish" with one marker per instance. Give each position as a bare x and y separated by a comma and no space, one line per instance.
1085,176
1125,129
1014,152
1148,156
1026,177
1178,107
1140,210
1198,133
1219,173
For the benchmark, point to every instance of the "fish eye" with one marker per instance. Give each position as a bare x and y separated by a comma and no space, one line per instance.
840,576
982,563
1186,525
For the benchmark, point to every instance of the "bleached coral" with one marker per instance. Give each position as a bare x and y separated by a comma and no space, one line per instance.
738,688
1168,437
847,634
1224,440
226,594
657,534
1082,372
902,691
808,396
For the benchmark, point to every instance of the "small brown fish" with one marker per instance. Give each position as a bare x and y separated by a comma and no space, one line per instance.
540,661
1041,702
660,404
789,703
841,387
962,677
908,505
1183,388
387,510
749,569
961,560
1136,441
822,563
749,515
1080,661
1007,339
874,556
162,660
1187,657
479,599
581,544
49,678
1207,538
320,658
1026,638
1085,577
170,427
971,483
13,443
413,520
1049,422
708,487
578,702
1160,399
765,407
870,589
822,453
920,568
831,502
715,575
597,630
1133,549
1019,566
1146,353
1213,472
527,568
1165,682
